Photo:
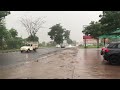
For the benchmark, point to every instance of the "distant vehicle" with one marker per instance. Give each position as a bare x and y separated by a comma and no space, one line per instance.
112,53
63,45
29,46
70,46
57,46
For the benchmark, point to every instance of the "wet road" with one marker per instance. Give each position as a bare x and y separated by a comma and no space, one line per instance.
17,57
72,64
92,66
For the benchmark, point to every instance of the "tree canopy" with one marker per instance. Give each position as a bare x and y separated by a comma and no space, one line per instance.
110,21
58,33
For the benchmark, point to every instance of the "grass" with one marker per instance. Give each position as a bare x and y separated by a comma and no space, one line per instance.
10,50
90,46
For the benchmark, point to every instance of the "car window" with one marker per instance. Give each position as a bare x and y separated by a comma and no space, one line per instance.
112,45
118,46
106,45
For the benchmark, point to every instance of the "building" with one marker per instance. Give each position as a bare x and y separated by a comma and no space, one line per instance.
89,40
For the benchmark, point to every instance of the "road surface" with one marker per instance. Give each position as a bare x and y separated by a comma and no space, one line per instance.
67,64
17,57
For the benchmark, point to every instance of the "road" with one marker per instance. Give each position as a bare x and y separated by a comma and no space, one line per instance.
67,64
17,57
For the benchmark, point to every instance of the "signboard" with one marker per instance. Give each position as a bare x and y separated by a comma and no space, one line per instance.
87,37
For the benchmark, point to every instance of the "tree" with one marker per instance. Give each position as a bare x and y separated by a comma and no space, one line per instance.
67,37
32,26
67,34
3,14
58,33
13,32
32,38
110,21
94,30
69,41
3,30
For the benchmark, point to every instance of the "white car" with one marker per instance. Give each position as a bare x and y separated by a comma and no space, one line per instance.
27,48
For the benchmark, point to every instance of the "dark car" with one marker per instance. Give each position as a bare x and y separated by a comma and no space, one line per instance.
112,53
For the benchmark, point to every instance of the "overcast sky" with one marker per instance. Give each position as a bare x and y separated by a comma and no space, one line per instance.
71,20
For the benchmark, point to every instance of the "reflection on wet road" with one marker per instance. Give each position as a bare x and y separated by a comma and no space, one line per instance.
12,58
74,64
92,66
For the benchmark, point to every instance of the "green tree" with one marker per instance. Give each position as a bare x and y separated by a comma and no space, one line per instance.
3,14
69,41
94,30
58,33
13,32
67,34
110,21
32,38
3,30
12,41
3,35
67,37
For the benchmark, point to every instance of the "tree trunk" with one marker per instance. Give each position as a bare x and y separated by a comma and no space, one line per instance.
97,42
104,41
85,42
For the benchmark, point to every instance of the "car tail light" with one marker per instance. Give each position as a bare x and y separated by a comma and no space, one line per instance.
103,48
106,50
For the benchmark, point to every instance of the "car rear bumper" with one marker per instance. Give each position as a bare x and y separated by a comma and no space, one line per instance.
106,57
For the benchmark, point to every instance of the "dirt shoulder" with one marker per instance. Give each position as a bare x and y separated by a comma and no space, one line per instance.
58,65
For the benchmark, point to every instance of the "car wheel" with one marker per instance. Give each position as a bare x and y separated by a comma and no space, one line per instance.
28,50
34,50
21,51
114,60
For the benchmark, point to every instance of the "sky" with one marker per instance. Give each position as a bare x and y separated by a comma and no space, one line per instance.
71,20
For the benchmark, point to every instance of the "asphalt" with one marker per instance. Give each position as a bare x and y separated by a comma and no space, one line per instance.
12,58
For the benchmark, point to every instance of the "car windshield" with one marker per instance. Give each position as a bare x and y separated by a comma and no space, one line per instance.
112,45
106,45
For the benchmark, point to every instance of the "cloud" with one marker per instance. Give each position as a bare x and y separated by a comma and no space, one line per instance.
71,20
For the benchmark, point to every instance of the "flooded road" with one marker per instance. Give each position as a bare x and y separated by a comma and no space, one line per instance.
92,66
12,58
67,64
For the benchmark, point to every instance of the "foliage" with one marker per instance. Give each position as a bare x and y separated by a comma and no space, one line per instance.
94,29
32,38
110,21
58,33
13,32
